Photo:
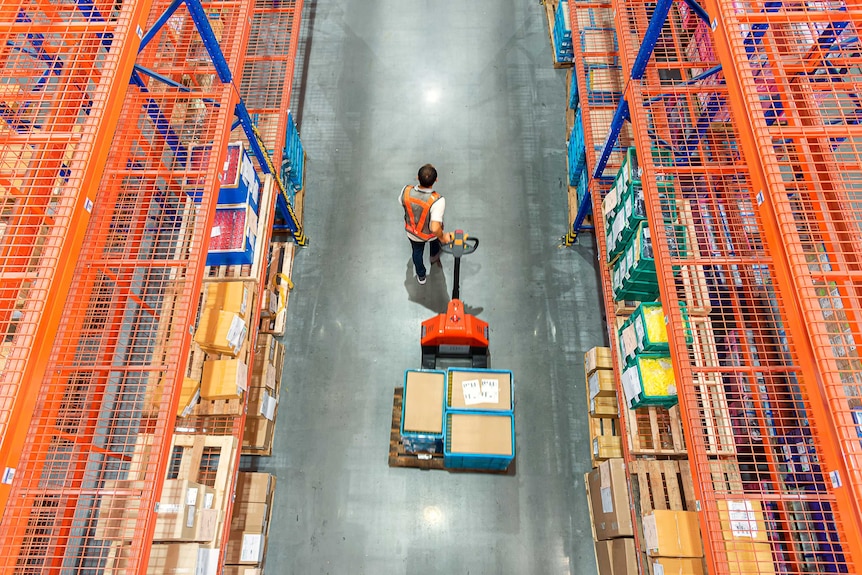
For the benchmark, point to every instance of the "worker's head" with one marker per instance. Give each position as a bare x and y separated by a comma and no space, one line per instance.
427,176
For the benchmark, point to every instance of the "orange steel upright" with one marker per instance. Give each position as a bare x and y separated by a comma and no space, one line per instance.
760,410
64,69
125,331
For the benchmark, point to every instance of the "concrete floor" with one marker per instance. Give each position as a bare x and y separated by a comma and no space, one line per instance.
388,85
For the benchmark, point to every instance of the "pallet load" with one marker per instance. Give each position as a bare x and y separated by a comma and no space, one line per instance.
263,396
610,515
560,32
233,238
471,408
225,312
249,526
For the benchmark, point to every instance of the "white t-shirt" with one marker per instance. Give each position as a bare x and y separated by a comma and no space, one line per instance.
437,210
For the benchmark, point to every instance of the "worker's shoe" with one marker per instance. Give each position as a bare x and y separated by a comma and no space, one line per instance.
421,280
436,260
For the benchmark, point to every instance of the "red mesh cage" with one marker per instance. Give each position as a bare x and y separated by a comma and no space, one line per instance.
62,66
750,190
267,77
100,442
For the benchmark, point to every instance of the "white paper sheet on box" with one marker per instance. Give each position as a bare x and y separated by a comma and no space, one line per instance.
490,391
252,545
472,392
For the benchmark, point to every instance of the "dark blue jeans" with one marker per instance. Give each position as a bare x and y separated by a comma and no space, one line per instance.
419,254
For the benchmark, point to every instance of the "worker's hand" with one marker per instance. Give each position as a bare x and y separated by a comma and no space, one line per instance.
447,238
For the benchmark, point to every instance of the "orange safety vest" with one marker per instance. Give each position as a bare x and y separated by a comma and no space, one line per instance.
417,212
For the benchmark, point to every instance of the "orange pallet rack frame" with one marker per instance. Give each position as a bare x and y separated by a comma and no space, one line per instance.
64,69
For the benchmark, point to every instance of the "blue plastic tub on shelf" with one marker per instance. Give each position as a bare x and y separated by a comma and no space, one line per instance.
479,440
455,396
422,411
239,181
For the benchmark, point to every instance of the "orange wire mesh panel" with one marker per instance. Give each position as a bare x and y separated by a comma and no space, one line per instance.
796,81
267,78
767,504
62,67
97,449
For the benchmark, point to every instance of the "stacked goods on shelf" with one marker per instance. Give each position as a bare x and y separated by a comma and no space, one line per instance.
235,227
263,396
422,411
605,429
562,33
293,161
273,314
559,31
249,526
479,426
608,500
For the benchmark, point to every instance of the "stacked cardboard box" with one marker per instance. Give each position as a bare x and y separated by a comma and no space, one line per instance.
610,510
605,437
223,325
249,527
745,537
672,540
186,512
263,396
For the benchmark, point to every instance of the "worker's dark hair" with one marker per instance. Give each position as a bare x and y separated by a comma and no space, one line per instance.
427,176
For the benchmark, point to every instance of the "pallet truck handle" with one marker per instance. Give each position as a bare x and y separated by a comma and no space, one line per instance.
461,244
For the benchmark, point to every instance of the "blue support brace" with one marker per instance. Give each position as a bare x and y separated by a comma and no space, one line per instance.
157,25
699,11
174,84
199,17
90,12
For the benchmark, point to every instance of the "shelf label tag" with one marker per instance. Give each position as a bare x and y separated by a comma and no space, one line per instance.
8,475
836,479
759,197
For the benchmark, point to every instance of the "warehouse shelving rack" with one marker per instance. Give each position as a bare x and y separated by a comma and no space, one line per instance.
64,68
125,331
766,213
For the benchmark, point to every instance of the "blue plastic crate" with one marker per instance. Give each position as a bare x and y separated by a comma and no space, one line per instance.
240,183
479,440
233,237
424,440
455,398
573,91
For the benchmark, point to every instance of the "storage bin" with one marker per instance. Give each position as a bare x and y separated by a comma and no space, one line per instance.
459,397
650,381
240,183
422,411
233,237
479,440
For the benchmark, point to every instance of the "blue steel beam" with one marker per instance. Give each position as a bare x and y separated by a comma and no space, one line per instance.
90,12
157,25
699,11
174,84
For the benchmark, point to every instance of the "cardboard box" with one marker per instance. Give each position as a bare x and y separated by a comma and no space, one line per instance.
624,557
222,332
423,401
119,508
190,395
262,403
672,534
223,379
489,434
254,487
244,548
603,557
229,296
598,358
504,386
264,374
178,512
250,517
604,407
241,570
609,495
257,433
601,384
269,348
742,520
173,559
676,566
745,557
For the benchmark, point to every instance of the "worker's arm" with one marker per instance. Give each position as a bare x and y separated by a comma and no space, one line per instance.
437,230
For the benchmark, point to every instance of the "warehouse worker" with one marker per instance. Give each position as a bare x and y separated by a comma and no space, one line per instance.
423,219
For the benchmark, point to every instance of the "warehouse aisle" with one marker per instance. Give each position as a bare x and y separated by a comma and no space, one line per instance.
468,86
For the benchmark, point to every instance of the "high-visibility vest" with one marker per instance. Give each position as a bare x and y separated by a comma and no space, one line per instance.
417,213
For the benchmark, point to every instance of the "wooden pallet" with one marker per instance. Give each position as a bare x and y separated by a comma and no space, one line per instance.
655,431
590,510
605,439
250,272
210,407
266,449
282,252
550,11
695,289
573,207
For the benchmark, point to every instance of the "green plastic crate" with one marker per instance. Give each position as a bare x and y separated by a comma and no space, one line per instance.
633,388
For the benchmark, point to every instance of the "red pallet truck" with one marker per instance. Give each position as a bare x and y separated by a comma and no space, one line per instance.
456,338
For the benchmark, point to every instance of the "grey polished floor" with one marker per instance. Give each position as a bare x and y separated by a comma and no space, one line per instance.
386,86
